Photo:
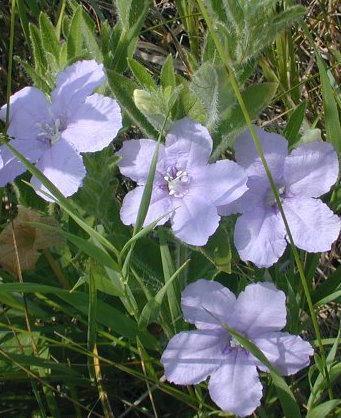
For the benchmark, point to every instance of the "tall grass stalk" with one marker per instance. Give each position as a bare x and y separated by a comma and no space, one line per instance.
223,53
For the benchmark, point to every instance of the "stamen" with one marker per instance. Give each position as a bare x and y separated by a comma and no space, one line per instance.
177,182
234,343
51,132
270,197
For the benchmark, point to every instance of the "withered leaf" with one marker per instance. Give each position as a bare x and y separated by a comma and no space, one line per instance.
29,240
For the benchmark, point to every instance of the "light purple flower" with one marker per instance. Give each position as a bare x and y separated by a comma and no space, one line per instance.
259,313
301,177
52,132
186,188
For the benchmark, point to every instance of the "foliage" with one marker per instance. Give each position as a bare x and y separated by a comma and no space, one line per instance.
91,318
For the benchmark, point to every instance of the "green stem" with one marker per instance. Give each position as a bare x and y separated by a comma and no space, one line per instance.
142,212
168,271
10,62
234,83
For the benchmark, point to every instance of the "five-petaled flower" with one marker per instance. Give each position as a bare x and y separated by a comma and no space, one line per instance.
186,188
301,177
52,132
259,313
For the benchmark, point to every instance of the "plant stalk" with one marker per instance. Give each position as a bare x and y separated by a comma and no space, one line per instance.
234,83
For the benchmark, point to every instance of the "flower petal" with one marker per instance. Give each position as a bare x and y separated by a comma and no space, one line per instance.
137,156
160,205
311,169
195,219
94,124
259,236
288,353
314,227
188,144
207,304
235,386
190,357
255,195
75,83
260,308
11,167
29,108
275,149
63,166
222,182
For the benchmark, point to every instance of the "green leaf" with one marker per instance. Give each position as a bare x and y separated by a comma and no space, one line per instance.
331,113
332,297
173,291
127,31
288,17
75,38
291,131
234,12
152,309
40,63
63,60
48,35
143,77
218,249
123,9
143,232
321,383
107,281
96,194
157,105
147,191
24,20
86,246
106,314
129,11
39,82
323,409
88,31
327,287
188,103
167,76
123,89
206,88
256,98
63,370
310,135
16,302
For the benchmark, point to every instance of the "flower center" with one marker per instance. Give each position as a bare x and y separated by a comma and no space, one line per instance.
270,197
51,132
231,345
234,343
177,182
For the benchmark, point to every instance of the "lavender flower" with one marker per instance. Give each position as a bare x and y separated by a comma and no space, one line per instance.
302,176
258,313
186,188
52,132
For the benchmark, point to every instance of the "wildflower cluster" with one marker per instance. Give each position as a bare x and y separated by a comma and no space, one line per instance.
192,194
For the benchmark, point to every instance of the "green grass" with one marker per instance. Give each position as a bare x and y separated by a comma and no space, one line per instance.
95,350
